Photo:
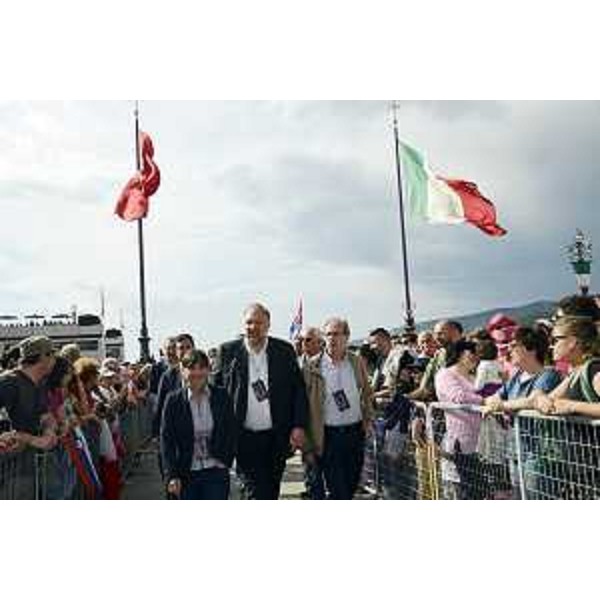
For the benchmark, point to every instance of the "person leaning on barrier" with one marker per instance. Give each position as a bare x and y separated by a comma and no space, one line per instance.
562,457
528,354
340,398
575,340
21,395
198,435
455,384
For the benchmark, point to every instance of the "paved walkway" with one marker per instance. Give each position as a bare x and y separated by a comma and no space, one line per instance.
144,481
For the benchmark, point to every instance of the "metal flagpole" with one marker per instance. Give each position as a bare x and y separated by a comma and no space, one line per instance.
410,326
144,339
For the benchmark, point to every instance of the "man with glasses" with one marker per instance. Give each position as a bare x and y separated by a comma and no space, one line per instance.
340,408
312,344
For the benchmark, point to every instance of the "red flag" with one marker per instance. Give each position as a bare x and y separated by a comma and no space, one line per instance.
133,203
479,211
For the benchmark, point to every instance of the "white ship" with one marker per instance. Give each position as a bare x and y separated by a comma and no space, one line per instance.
87,331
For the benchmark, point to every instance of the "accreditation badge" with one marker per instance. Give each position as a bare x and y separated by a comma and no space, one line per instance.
341,401
260,390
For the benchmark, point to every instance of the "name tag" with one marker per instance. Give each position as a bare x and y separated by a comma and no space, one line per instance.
341,400
260,390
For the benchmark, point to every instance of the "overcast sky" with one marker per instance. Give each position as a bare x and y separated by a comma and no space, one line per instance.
274,201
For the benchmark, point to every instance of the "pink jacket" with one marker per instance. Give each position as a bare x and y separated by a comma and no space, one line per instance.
461,427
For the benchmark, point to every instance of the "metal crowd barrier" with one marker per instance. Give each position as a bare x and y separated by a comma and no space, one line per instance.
31,475
18,476
527,456
560,458
136,430
399,468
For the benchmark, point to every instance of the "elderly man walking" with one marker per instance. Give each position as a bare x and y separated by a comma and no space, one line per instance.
341,403
262,375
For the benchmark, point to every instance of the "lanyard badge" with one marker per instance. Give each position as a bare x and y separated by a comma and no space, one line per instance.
341,401
260,390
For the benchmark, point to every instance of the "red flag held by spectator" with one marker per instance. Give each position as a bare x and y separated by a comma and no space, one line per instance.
134,203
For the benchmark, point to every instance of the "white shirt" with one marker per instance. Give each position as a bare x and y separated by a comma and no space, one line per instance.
340,376
258,416
203,427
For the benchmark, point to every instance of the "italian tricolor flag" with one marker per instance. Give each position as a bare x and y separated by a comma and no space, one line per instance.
436,199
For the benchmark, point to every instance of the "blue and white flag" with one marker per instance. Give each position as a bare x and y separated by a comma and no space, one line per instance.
297,323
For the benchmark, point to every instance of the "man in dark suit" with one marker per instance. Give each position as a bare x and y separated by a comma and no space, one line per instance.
262,376
197,436
170,381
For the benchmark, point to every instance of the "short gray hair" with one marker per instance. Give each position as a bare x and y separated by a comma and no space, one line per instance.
338,321
314,330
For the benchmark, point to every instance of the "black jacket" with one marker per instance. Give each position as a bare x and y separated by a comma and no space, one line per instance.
287,393
169,382
177,432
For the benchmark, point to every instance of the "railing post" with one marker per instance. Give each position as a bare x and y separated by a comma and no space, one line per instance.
431,451
519,452
39,475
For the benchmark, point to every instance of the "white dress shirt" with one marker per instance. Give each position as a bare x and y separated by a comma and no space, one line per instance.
258,416
203,427
340,376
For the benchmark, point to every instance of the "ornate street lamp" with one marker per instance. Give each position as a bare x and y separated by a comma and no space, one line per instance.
580,257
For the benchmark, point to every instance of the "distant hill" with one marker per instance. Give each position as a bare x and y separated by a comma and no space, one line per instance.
524,315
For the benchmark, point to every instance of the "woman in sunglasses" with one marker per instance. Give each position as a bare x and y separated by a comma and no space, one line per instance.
575,340
562,456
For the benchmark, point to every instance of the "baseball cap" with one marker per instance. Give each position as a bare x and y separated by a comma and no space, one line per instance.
36,347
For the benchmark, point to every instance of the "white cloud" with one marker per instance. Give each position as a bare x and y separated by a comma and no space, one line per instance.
273,200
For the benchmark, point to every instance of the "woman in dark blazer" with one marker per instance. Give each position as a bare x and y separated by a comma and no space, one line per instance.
198,435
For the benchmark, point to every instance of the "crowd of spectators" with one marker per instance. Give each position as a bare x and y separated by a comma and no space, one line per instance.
551,367
70,407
